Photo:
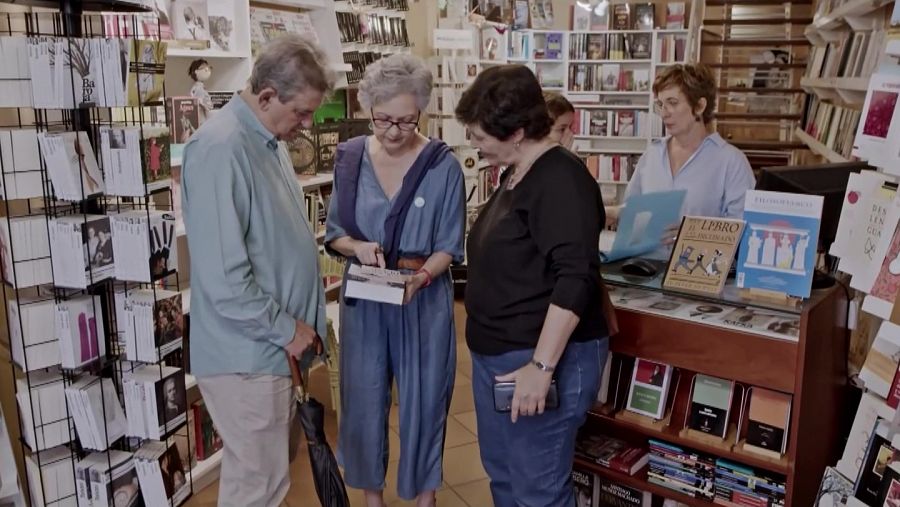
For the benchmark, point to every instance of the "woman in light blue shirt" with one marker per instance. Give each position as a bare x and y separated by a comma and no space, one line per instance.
715,174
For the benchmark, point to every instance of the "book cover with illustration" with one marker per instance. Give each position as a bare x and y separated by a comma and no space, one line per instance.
649,388
185,118
778,251
703,254
146,72
156,157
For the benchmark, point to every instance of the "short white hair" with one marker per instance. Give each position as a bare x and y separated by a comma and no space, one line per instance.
291,64
396,75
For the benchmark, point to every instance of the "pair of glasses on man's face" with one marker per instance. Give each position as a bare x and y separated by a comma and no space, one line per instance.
404,126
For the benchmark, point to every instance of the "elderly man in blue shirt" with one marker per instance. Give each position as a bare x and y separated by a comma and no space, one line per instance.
256,290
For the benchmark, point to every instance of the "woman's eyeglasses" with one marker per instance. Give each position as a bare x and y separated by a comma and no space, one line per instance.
670,106
404,126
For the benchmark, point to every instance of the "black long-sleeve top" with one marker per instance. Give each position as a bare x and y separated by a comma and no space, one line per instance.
534,246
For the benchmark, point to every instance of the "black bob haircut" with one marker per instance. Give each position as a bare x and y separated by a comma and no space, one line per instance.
504,99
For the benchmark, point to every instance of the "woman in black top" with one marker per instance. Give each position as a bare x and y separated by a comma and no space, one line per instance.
533,294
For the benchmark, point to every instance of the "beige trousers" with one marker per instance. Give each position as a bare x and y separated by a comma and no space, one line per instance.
254,416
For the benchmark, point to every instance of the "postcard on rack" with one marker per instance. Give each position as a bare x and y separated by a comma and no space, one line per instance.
778,252
703,254
642,223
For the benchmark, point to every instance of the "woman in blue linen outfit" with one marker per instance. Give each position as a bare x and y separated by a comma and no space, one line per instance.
400,179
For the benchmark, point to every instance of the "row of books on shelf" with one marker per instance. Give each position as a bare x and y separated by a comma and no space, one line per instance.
674,467
385,30
154,475
754,419
671,48
154,406
66,73
317,209
618,123
608,77
832,125
592,16
71,333
359,60
855,54
611,46
82,250
136,160
611,168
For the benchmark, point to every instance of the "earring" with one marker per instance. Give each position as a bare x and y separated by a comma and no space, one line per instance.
517,144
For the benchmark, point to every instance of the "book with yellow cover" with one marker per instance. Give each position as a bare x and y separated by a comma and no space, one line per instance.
703,254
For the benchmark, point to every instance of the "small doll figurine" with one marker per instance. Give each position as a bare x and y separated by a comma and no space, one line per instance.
200,71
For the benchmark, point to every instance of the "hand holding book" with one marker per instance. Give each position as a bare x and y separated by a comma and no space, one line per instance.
369,253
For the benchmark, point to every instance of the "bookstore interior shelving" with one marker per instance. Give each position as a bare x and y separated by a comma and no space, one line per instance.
757,50
849,42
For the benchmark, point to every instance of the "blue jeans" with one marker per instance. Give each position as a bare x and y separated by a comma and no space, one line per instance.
530,462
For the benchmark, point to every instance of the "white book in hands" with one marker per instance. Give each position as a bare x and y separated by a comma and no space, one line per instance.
375,284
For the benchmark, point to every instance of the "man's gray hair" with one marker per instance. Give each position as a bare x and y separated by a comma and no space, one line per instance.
395,75
291,64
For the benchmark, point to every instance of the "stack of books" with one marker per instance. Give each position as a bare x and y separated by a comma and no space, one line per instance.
162,474
739,485
32,333
97,411
611,453
154,400
80,331
684,471
50,477
152,323
107,479
32,255
42,408
144,243
21,163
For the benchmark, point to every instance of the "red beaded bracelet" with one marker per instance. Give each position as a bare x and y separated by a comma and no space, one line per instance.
427,276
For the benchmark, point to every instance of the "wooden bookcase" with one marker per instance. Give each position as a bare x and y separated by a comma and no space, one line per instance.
812,370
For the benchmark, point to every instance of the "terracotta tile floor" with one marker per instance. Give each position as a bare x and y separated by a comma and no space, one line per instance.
465,483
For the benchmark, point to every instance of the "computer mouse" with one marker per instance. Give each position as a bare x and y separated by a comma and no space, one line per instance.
639,267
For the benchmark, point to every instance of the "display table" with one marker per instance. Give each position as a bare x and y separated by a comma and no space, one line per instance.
799,351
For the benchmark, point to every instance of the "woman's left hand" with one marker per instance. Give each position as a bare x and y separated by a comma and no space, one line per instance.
530,395
413,284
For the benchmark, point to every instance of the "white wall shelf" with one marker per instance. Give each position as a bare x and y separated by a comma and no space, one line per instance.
206,472
849,13
818,148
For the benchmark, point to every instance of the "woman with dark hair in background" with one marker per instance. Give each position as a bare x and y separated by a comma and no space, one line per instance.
562,114
533,298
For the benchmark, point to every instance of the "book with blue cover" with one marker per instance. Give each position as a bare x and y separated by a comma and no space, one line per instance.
642,222
778,250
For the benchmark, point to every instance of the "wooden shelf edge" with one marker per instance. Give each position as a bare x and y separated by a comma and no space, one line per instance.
672,436
639,481
818,148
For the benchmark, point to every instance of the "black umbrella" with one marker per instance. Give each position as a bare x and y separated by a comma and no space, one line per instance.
326,475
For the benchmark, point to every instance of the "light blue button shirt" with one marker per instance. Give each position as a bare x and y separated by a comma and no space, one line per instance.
254,258
716,177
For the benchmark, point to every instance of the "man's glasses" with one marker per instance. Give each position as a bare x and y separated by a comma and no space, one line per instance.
404,126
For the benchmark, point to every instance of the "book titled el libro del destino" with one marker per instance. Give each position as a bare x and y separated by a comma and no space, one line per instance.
375,284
